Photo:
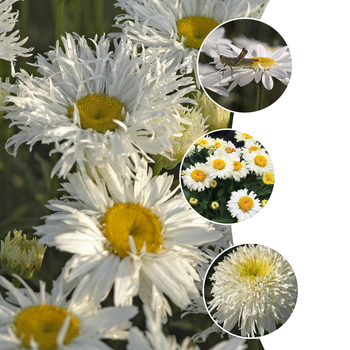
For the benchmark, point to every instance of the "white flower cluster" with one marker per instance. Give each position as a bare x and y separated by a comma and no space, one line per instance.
227,162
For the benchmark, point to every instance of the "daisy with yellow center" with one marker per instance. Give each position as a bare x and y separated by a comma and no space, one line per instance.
259,162
243,205
94,104
50,322
266,66
130,235
254,291
219,165
242,136
197,177
180,27
250,146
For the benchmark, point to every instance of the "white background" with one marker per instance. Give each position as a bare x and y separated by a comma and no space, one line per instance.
306,132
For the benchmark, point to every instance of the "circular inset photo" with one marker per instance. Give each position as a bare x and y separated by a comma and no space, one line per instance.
248,73
227,176
250,290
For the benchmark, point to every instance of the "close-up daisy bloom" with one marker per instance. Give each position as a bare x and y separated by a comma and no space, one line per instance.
180,26
240,169
259,161
11,46
266,67
197,177
96,104
136,236
43,321
219,165
254,290
243,205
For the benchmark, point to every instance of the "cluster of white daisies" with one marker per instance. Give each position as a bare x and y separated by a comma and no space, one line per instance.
109,106
223,160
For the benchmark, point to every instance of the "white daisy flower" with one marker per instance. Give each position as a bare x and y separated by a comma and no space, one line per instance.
10,46
41,321
180,26
94,105
204,142
240,169
255,288
243,205
260,162
155,339
197,177
219,166
242,136
251,146
269,65
140,238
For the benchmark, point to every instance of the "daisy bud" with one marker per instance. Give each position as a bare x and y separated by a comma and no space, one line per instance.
193,201
218,118
263,202
21,256
213,183
215,205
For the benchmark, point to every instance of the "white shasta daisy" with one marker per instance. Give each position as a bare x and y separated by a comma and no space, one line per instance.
242,136
242,205
255,288
10,46
41,321
269,65
134,235
93,105
155,339
240,169
180,26
219,166
259,162
197,177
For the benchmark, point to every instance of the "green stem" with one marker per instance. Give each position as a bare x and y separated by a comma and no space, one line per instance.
157,168
16,282
59,18
260,97
99,16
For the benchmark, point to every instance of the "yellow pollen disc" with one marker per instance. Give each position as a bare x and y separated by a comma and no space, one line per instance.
43,323
203,142
260,160
198,175
268,178
217,144
229,150
251,268
125,219
253,148
219,164
245,203
97,112
237,166
195,29
265,62
246,136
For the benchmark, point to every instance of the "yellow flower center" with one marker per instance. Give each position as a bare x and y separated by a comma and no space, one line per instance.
219,164
253,148
251,268
246,136
265,62
43,323
260,160
125,219
245,203
229,150
237,166
217,144
203,143
97,112
198,175
195,29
